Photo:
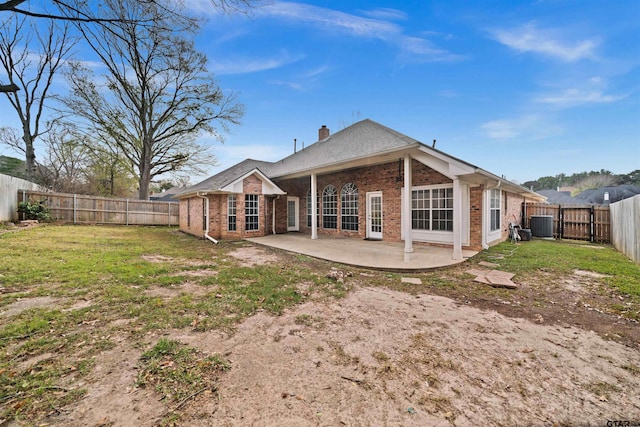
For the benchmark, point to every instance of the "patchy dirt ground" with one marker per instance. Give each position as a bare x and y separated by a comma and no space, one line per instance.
382,357
545,354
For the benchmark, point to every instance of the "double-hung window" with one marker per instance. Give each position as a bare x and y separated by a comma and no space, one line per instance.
329,207
349,207
432,208
495,208
231,213
251,212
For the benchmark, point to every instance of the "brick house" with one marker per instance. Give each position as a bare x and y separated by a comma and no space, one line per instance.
370,182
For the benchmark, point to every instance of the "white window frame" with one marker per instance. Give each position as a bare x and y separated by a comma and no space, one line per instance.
440,236
330,206
431,208
493,234
232,212
249,208
349,213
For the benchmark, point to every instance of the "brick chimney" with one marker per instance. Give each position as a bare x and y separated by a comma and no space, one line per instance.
323,133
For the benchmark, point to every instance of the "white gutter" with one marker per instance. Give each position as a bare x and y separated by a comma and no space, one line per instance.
206,229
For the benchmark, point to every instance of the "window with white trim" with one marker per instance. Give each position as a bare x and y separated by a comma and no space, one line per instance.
231,213
309,208
349,207
251,212
495,208
432,208
329,207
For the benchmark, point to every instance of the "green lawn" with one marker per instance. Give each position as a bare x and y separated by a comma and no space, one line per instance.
564,257
97,282
95,275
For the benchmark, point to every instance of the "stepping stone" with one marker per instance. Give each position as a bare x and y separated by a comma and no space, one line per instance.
412,280
495,278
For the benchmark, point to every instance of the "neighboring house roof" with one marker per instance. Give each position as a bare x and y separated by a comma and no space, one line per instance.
560,197
167,195
616,193
591,197
361,144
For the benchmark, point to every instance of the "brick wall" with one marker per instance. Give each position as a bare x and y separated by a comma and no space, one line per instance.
475,217
387,178
191,218
218,213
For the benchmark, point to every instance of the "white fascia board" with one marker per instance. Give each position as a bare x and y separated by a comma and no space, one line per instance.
447,167
453,168
268,187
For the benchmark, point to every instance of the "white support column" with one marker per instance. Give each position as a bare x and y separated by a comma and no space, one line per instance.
314,206
406,206
457,219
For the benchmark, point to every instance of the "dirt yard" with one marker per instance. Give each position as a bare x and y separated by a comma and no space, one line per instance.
381,356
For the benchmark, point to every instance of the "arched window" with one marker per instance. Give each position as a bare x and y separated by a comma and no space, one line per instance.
329,207
349,207
309,208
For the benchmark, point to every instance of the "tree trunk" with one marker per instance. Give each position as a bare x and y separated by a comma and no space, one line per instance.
145,180
30,157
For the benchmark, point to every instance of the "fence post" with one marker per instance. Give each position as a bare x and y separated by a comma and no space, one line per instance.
24,199
75,212
591,223
126,215
560,222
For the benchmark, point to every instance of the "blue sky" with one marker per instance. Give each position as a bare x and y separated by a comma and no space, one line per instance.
521,89
524,89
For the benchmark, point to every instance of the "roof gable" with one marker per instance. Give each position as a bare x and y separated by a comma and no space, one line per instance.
237,185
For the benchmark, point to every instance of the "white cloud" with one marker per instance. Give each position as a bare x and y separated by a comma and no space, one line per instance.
331,19
413,49
291,85
386,13
529,38
573,97
591,91
526,127
422,50
243,65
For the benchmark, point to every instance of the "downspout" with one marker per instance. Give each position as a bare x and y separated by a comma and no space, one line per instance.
206,229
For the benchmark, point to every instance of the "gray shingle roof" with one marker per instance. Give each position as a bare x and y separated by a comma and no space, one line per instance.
227,176
560,197
362,139
616,193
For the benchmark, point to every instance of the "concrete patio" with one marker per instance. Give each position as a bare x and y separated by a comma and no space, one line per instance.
379,255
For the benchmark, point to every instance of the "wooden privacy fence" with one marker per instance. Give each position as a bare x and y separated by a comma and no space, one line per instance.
592,223
81,209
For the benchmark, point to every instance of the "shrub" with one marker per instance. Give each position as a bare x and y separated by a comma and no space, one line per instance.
34,210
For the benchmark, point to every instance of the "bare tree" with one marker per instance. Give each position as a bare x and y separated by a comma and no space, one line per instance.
65,162
31,57
158,97
78,10
82,12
